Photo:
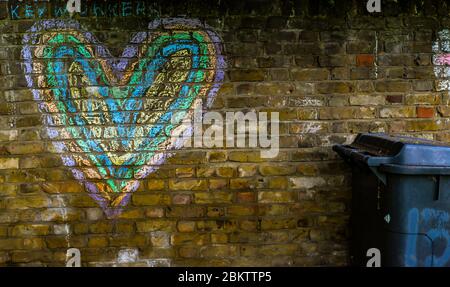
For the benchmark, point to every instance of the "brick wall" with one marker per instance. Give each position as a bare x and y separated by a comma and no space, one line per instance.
330,70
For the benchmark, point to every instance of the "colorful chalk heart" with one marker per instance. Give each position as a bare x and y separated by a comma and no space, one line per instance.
112,119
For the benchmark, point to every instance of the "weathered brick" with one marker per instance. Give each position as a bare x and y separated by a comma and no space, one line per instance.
9,163
226,171
215,184
334,87
215,212
127,240
155,184
247,171
425,112
392,86
212,197
268,250
270,170
269,224
307,182
242,183
276,197
60,214
186,226
98,241
188,251
25,202
367,100
185,211
422,99
155,225
189,238
8,190
398,112
247,75
243,197
181,199
187,184
217,225
310,74
219,251
150,199
366,60
217,156
185,172
131,214
241,210
101,227
219,238
395,99
11,244
424,125
30,230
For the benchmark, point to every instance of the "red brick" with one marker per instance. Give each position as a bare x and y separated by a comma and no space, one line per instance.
425,112
365,60
246,197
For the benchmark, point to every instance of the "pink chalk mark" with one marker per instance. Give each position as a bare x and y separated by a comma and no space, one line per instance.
443,59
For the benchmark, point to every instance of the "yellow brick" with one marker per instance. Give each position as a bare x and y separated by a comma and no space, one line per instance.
247,170
278,183
219,251
9,163
213,197
30,229
155,184
186,226
188,184
34,243
219,238
217,225
226,171
215,184
25,202
98,241
269,224
150,199
185,172
217,156
101,227
127,240
155,225
189,238
242,183
276,196
241,210
11,244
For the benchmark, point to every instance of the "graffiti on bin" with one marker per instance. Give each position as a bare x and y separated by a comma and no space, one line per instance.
429,227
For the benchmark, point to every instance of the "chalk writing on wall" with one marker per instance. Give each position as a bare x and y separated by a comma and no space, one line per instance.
111,118
441,60
428,229
95,8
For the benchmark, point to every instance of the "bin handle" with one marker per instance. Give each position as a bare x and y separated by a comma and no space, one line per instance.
359,155
373,162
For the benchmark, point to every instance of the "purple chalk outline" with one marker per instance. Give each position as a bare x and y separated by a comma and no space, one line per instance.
118,66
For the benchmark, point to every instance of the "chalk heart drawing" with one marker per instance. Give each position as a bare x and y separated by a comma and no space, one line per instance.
110,117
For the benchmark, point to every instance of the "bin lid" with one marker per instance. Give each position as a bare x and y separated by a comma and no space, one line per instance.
375,149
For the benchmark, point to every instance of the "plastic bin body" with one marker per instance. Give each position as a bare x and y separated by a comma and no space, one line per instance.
418,232
401,209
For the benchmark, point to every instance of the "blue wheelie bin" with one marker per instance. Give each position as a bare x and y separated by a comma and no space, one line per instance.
400,200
